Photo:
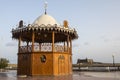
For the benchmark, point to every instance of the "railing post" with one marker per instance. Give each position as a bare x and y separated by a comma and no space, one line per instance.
39,46
64,46
27,46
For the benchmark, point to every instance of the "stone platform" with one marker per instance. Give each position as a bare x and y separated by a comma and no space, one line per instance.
11,75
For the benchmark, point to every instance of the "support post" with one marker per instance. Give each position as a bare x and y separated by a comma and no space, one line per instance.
53,40
33,38
18,61
68,43
113,60
19,44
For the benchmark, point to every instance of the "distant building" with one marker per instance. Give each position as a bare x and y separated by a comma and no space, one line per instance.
11,66
88,61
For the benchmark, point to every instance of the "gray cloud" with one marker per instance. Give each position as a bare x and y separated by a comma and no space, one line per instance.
86,43
1,38
11,44
105,38
75,45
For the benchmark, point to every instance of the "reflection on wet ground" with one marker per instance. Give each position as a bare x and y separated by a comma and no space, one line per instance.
11,75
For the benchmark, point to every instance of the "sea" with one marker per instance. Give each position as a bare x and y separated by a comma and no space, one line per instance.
77,75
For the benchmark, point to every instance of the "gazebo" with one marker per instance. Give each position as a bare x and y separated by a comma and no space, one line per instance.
44,47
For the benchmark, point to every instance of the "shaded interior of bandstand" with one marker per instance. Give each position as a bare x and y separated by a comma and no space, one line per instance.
44,54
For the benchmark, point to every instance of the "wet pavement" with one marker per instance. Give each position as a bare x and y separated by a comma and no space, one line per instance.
11,75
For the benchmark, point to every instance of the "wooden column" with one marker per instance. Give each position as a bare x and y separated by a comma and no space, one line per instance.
53,40
31,55
70,55
33,40
18,61
19,44
68,43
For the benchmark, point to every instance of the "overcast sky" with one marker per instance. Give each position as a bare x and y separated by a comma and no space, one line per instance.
96,21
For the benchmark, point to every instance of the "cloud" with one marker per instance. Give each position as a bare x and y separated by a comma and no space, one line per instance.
75,45
1,38
105,38
86,43
111,39
11,44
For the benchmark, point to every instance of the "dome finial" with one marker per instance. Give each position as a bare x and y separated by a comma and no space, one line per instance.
45,6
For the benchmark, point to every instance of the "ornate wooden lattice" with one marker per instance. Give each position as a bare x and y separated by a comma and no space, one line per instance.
43,48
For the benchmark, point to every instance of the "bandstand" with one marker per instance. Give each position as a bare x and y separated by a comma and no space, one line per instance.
44,47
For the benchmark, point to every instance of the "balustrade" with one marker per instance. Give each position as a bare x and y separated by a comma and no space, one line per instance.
24,49
43,48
